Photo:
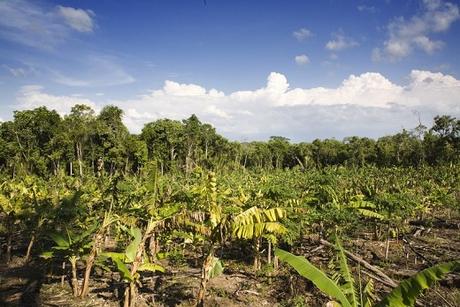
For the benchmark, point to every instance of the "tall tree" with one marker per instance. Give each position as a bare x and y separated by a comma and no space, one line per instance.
79,123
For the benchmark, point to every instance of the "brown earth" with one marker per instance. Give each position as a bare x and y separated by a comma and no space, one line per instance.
34,284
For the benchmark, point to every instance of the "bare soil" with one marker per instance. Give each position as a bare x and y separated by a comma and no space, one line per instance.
35,284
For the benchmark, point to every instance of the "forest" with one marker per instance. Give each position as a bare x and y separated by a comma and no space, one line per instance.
178,215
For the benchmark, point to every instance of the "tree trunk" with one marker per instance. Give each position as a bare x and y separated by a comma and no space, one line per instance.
63,274
73,262
71,169
55,168
9,243
90,262
29,248
152,247
79,158
387,243
205,277
131,291
269,252
126,299
257,263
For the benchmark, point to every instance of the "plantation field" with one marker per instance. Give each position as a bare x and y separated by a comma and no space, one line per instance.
218,237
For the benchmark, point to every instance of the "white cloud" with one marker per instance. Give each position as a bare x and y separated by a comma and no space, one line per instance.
404,36
30,24
78,19
368,104
302,34
340,42
33,96
302,59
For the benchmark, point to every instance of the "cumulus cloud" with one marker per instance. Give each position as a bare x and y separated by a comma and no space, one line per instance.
302,59
340,42
33,96
367,104
302,34
78,19
27,23
407,35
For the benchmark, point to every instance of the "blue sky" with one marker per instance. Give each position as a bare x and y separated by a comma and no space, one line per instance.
302,69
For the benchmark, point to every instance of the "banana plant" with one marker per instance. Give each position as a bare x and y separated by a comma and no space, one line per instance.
97,240
255,223
212,223
405,294
132,261
71,247
15,198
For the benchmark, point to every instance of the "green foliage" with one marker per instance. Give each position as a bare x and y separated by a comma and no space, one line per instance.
183,187
215,267
123,260
254,222
348,286
405,294
318,277
409,289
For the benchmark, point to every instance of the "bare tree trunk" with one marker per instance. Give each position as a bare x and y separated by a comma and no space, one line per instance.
9,245
73,262
205,277
131,291
90,262
152,247
126,297
257,263
387,243
269,252
63,274
71,169
29,247
55,168
79,158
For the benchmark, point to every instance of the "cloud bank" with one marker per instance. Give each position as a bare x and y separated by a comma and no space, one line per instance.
367,105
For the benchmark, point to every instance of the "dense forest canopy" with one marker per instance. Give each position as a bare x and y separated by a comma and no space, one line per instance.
41,142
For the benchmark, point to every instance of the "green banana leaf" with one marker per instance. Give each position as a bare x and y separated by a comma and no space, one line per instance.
318,277
151,267
407,291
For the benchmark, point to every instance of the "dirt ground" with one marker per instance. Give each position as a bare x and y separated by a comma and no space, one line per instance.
34,284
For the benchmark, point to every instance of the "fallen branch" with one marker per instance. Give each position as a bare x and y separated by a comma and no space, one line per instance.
390,282
406,241
377,278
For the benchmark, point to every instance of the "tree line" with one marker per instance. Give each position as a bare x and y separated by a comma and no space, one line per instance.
41,142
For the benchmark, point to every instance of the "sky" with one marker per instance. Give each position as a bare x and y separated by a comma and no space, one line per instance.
253,69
